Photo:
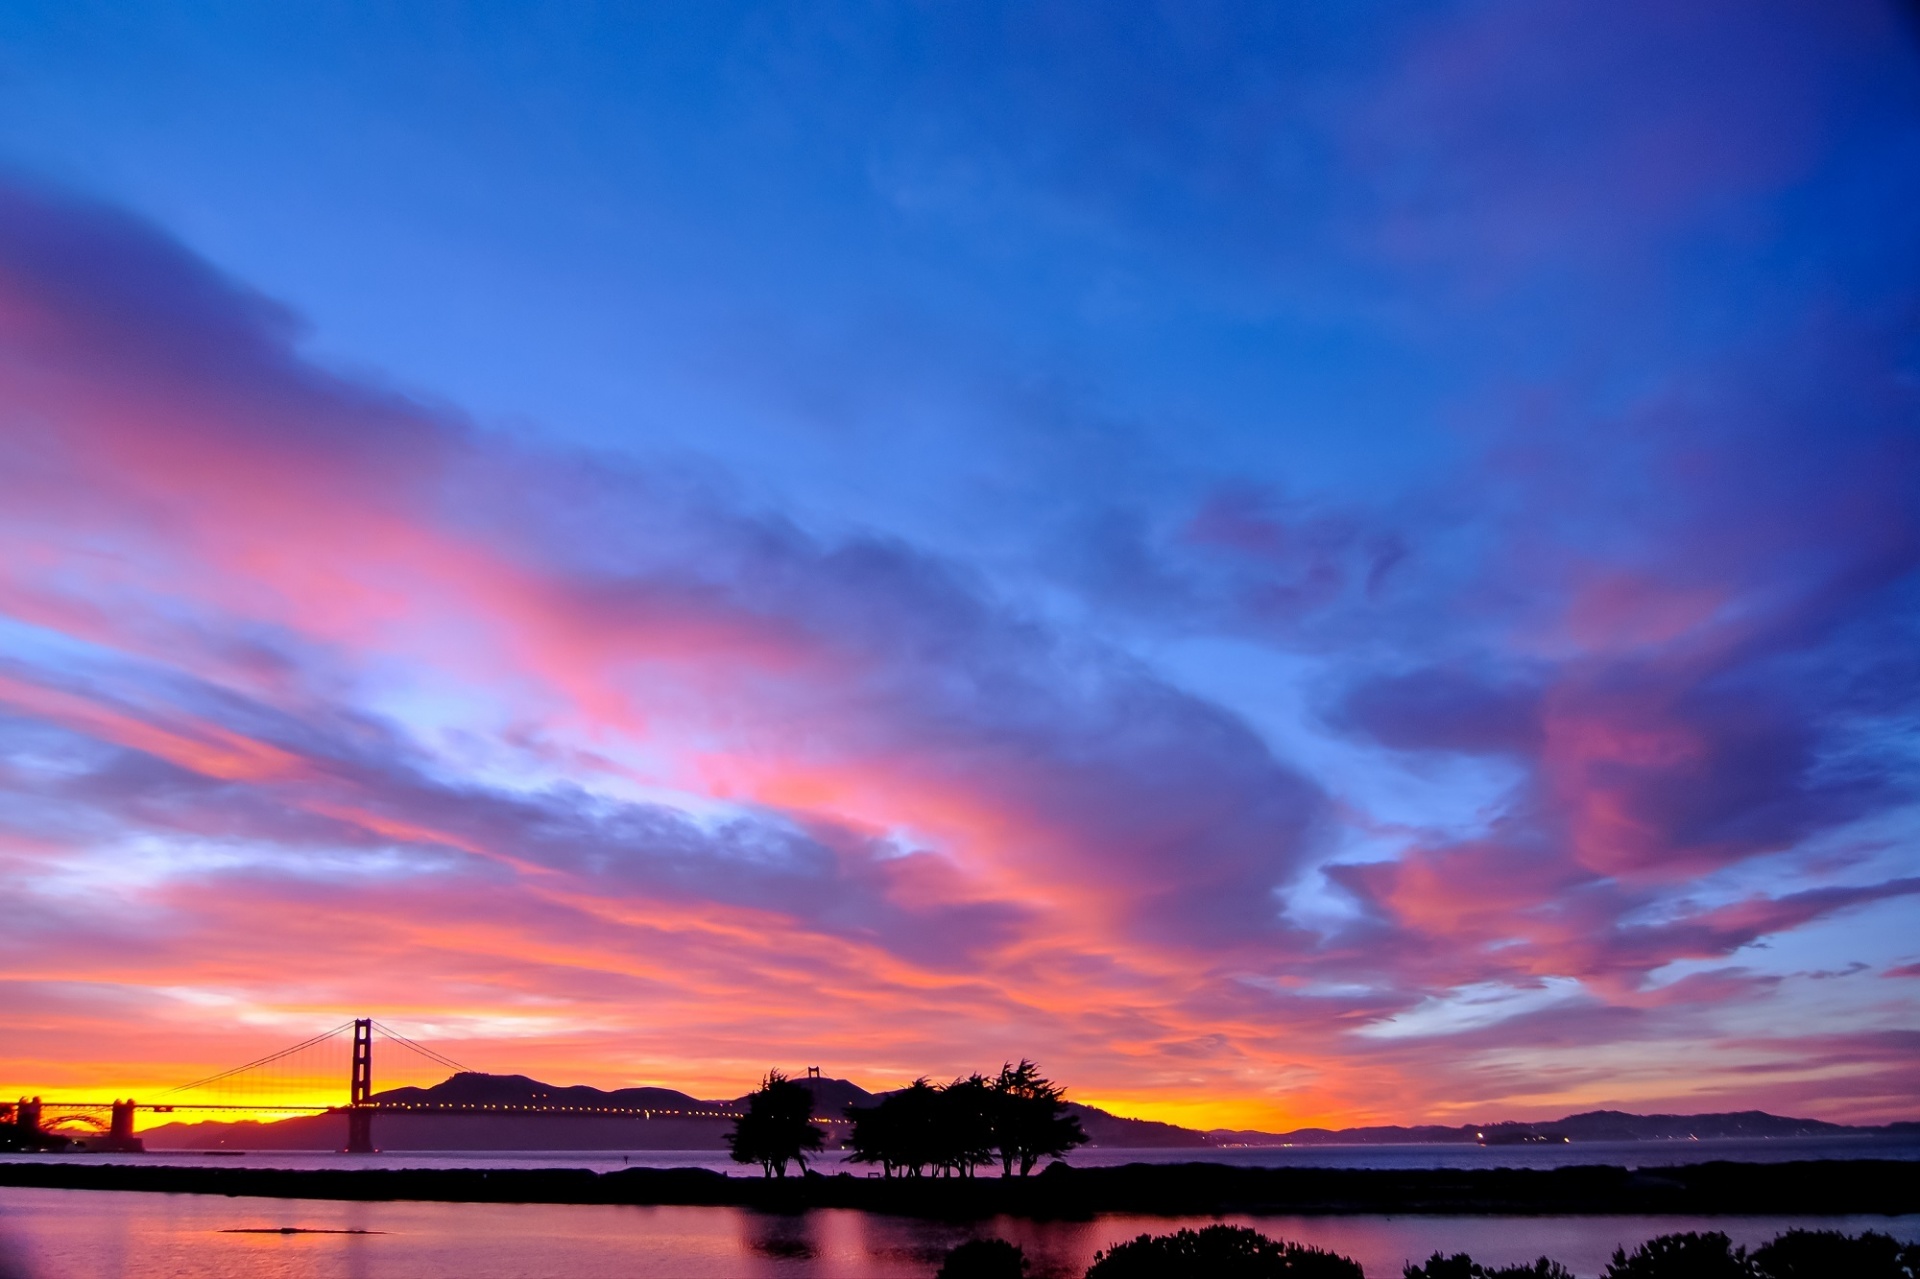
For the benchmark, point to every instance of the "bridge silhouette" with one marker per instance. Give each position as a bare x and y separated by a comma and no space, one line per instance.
227,1092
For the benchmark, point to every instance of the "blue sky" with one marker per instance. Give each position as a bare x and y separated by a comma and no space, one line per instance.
1417,504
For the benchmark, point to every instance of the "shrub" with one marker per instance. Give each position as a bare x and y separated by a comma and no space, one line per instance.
1461,1266
1689,1256
984,1259
1823,1254
1218,1252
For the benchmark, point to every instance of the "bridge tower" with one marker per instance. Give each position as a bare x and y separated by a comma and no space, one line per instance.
120,1135
360,1090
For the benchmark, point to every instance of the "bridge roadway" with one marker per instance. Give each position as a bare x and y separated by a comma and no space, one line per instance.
420,1108
361,1106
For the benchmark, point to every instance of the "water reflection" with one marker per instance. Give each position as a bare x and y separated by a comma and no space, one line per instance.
67,1234
782,1237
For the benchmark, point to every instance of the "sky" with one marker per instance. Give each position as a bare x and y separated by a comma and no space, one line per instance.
1296,564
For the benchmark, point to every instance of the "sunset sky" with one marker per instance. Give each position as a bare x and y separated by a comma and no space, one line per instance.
1296,563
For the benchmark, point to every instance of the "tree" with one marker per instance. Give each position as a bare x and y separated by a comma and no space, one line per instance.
952,1130
968,1117
1816,1254
1689,1256
778,1127
1219,1252
901,1134
1030,1119
921,1129
873,1139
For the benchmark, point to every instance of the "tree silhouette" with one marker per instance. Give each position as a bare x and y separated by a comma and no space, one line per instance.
1219,1252
1795,1254
1815,1254
1710,1255
777,1128
968,1115
952,1130
1031,1122
923,1130
901,1134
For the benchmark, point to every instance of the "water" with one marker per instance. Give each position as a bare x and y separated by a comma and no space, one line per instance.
53,1234
81,1234
1629,1154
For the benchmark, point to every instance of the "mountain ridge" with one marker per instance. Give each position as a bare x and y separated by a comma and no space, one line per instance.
681,1121
1590,1125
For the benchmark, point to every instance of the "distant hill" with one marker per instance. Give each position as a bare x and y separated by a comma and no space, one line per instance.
1104,1129
1614,1125
1592,1125
832,1096
1422,1134
684,1122
583,1130
473,1088
680,1121
673,1128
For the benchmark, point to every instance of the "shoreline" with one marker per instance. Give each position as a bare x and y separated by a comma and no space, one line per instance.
1720,1188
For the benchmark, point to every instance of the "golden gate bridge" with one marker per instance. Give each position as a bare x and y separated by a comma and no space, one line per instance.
259,1086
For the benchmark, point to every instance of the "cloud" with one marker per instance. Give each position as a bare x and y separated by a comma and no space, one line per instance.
1445,710
882,755
317,694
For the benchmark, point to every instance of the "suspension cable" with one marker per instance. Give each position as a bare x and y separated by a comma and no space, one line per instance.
436,1057
252,1065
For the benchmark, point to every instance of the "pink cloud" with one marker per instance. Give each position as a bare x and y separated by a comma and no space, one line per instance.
376,710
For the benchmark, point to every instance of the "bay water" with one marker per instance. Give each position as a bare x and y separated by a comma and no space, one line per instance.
82,1234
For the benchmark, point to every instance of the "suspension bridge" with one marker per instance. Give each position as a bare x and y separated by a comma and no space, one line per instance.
263,1086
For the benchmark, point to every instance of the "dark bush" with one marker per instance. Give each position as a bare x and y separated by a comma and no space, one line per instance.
1218,1252
1827,1254
984,1259
1689,1256
1461,1266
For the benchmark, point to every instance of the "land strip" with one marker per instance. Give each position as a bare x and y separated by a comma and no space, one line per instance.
1823,1187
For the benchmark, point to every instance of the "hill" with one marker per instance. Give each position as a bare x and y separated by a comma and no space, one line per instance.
1592,1125
1104,1129
679,1121
473,1088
